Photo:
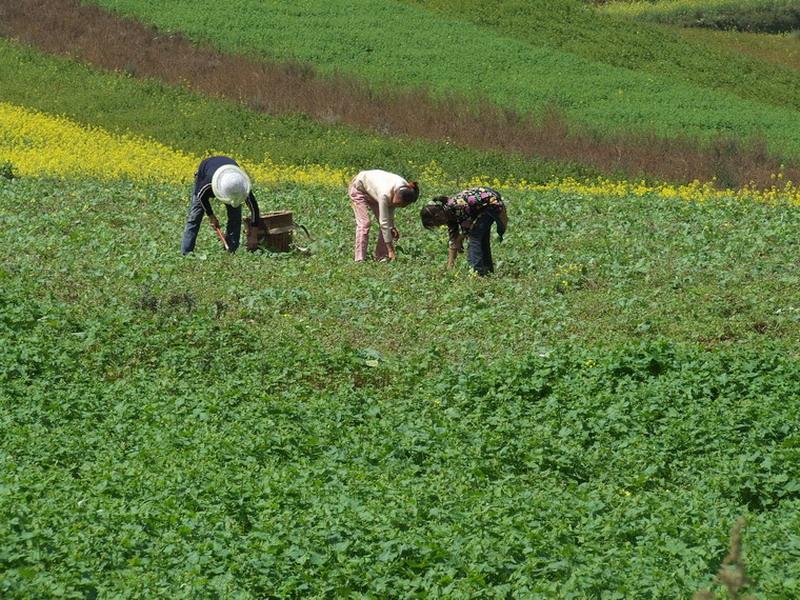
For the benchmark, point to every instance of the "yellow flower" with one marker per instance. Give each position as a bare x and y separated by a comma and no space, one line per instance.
39,144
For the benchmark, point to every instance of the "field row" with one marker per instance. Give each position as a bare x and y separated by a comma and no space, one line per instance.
197,123
446,54
576,28
591,267
34,143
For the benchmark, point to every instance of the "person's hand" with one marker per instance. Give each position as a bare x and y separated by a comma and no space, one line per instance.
392,253
252,243
214,222
395,234
502,224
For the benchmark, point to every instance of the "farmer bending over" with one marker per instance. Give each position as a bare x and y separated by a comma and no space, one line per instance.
469,213
219,177
380,192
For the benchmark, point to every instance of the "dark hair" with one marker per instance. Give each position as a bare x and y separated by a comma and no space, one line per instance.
409,193
434,215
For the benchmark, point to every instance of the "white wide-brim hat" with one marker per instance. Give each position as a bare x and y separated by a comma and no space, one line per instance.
230,184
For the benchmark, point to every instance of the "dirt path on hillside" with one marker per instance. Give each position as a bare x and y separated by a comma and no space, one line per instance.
91,34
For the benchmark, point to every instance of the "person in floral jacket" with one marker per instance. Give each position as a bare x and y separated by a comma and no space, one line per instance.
470,213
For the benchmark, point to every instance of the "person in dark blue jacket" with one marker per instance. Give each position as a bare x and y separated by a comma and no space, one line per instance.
222,178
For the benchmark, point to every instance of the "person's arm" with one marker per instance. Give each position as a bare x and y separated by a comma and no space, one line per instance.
252,205
502,222
204,196
456,244
453,250
386,221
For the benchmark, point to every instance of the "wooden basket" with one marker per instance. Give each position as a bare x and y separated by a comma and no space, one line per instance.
275,232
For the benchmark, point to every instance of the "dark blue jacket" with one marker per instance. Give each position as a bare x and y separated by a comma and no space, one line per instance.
202,185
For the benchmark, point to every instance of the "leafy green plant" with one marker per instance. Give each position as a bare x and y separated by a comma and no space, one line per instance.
7,170
301,425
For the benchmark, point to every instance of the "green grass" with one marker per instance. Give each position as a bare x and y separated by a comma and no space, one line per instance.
197,124
387,42
782,49
599,37
303,426
767,16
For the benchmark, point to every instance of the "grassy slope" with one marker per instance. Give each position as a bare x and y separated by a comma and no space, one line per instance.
213,423
781,49
197,124
768,16
450,55
630,45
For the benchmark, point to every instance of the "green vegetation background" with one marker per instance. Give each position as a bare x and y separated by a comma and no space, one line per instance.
605,73
766,16
198,124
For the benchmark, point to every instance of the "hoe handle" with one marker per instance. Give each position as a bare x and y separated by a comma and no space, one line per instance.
221,237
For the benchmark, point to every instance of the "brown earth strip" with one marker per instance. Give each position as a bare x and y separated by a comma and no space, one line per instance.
91,34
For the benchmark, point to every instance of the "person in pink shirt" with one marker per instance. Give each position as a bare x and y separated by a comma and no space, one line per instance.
380,192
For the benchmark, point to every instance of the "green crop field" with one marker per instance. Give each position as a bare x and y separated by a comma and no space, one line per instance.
770,16
574,28
782,49
588,422
448,53
124,104
239,426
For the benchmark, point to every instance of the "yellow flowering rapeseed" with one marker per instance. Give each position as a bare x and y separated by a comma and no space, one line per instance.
39,144
268,172
695,191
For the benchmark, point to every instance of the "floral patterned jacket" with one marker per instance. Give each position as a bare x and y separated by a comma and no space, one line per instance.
468,205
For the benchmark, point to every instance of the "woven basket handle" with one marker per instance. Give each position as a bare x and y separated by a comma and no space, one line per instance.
303,227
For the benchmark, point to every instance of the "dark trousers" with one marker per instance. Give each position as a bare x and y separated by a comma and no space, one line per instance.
479,251
233,229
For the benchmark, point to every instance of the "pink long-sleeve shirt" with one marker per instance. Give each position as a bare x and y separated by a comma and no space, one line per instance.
381,187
